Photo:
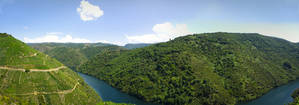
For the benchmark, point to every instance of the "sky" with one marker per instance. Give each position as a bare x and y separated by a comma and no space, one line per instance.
144,21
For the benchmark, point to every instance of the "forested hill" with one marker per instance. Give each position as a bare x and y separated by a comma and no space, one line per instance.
73,54
209,68
29,77
137,45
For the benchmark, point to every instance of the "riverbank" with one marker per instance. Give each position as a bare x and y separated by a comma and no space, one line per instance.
277,96
108,93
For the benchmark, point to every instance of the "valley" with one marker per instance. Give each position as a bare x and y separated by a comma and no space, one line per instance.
186,71
186,67
149,52
212,68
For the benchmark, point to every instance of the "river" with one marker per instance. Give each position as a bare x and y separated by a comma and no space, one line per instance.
109,93
277,96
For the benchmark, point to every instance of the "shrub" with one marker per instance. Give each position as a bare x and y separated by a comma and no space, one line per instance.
27,70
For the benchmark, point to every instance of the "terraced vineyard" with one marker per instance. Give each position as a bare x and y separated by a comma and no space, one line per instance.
46,88
28,76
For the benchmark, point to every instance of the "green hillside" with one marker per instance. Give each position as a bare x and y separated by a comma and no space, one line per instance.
30,77
17,54
210,68
73,54
138,45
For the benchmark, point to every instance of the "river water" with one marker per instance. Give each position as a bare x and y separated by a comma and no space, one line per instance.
277,96
109,93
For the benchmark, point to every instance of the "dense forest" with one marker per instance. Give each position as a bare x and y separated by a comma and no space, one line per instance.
73,54
210,68
138,45
295,96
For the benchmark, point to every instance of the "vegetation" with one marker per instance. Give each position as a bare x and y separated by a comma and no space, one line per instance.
295,93
12,101
73,54
133,46
14,53
210,68
27,70
62,87
111,103
295,96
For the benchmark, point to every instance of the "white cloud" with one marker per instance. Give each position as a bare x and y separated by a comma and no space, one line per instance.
112,42
56,37
88,11
162,32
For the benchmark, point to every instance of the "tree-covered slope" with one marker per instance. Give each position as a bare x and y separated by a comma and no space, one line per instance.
73,54
28,76
295,96
210,68
138,45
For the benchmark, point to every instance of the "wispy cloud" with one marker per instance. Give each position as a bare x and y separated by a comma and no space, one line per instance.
89,11
56,37
112,42
162,32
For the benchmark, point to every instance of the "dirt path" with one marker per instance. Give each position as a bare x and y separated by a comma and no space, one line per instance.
47,93
32,70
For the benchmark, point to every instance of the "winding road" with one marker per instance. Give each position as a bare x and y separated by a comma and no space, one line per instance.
32,70
46,93
42,70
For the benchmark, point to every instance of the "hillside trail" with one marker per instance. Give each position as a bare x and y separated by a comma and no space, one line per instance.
47,93
32,70
42,70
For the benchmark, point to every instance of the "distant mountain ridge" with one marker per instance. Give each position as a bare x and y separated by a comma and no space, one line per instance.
209,69
137,45
73,54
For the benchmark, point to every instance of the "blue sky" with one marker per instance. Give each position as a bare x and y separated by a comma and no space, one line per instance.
144,21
